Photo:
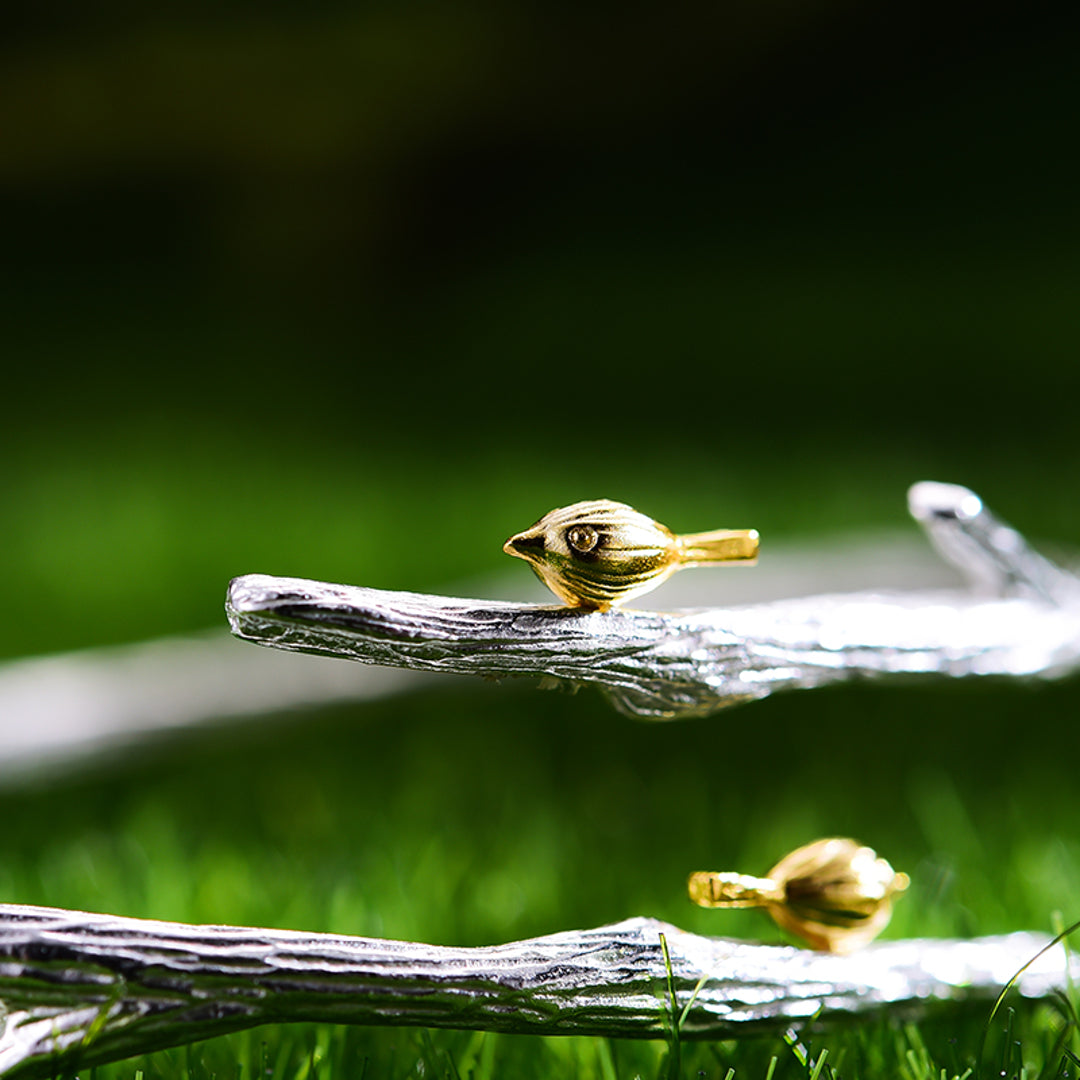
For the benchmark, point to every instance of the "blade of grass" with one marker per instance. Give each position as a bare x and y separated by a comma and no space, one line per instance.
674,1062
1056,940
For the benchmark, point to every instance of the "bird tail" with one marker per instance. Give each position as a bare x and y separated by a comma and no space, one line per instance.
720,546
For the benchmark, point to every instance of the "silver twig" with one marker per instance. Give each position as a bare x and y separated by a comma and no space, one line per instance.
78,990
1021,617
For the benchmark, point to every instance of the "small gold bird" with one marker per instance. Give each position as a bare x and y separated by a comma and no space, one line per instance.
835,894
596,555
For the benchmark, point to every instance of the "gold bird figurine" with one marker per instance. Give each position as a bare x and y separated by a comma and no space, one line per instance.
596,555
834,894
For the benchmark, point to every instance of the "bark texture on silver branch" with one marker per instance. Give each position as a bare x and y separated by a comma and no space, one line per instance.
79,989
1020,617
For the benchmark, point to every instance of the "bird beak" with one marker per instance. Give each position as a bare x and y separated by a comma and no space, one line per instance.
527,545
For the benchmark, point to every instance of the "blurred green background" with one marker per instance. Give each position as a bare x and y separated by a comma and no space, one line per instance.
353,291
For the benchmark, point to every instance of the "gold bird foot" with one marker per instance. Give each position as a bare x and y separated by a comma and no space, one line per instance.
596,555
834,894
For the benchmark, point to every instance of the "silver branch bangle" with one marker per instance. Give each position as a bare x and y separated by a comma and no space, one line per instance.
1020,617
79,989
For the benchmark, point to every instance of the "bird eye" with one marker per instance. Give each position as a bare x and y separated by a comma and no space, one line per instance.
582,538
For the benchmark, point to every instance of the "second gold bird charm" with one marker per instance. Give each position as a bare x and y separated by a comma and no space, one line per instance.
596,555
835,893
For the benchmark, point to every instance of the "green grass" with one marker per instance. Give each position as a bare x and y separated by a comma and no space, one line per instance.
480,814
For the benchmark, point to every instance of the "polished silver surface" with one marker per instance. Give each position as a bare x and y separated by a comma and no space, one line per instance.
80,989
1020,618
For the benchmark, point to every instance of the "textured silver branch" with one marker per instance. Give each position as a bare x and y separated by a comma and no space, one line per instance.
79,989
62,711
1021,619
